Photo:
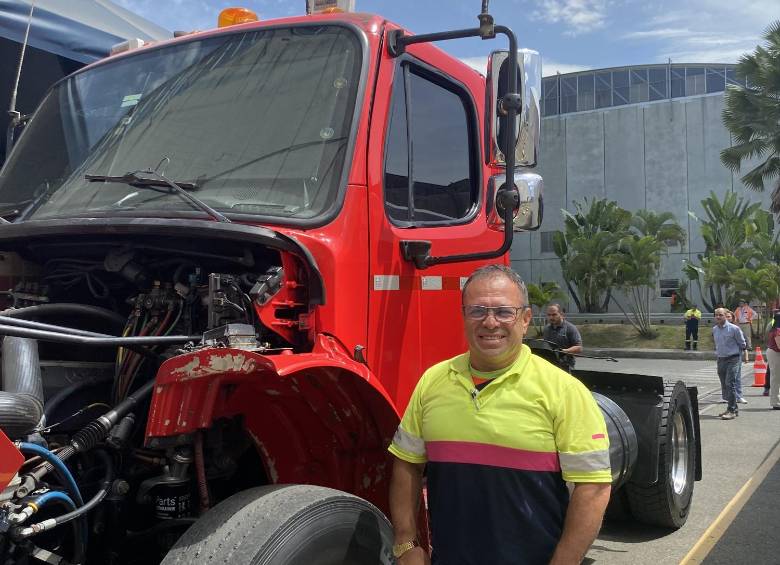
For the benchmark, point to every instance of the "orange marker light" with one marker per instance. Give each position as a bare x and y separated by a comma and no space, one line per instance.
233,16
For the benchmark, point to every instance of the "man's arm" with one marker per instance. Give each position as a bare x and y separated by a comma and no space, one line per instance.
583,521
405,489
575,339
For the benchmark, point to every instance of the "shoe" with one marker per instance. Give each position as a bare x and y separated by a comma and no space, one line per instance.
723,414
722,401
742,400
729,416
765,393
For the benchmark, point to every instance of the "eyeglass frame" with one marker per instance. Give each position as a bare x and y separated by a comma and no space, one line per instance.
492,310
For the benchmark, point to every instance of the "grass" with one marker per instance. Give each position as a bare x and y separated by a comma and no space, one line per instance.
624,336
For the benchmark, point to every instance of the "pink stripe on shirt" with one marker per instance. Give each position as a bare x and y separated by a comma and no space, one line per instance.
493,455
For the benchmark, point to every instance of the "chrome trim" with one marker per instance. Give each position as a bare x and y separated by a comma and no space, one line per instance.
529,117
528,216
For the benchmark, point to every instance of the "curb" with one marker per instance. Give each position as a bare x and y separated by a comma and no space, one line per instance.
653,354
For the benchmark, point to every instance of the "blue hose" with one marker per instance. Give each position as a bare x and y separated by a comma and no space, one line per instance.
57,463
53,495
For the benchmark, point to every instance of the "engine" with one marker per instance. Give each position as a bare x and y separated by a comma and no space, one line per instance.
87,326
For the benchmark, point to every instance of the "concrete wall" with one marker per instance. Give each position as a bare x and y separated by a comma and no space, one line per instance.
662,156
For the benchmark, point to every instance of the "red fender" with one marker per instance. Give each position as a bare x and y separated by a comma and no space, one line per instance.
315,418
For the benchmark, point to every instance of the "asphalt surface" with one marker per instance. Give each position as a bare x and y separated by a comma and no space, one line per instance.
732,454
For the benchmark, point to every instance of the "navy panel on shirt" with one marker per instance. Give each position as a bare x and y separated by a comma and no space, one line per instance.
494,515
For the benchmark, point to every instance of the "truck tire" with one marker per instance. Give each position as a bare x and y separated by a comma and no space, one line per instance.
667,502
287,525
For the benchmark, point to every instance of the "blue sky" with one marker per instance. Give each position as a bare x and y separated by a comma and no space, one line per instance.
571,35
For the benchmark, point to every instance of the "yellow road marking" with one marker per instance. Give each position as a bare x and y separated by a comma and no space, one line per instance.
716,530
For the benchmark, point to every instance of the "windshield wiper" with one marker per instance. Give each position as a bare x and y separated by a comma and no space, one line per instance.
159,181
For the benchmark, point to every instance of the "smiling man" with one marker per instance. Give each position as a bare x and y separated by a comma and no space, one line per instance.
500,431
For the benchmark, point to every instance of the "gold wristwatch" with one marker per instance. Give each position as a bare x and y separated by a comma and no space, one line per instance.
400,548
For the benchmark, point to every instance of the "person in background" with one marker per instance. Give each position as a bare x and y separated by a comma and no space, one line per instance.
744,315
563,333
729,344
738,382
773,362
692,318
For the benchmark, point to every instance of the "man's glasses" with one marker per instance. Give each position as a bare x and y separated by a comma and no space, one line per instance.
504,314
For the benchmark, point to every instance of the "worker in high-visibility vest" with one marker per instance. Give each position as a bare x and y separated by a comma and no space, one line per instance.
692,317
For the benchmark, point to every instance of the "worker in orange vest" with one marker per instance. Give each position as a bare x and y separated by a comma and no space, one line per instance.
743,317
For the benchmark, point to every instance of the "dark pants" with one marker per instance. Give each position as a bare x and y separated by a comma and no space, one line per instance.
728,373
692,334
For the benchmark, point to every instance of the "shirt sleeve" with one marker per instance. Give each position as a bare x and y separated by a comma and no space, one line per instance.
741,339
581,437
575,338
408,443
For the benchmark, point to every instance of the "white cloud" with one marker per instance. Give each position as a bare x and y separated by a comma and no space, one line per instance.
703,31
579,16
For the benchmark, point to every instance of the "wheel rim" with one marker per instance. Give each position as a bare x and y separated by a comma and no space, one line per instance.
679,454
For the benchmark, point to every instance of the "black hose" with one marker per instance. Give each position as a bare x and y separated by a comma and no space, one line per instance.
54,402
105,488
58,337
68,309
21,397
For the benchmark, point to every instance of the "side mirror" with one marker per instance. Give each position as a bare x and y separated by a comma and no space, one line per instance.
528,210
526,144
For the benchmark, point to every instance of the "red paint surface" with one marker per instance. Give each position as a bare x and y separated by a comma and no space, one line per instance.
11,460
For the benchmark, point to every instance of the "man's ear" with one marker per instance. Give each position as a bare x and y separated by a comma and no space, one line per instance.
526,317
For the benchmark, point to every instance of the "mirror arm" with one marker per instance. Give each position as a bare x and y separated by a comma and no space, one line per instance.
418,251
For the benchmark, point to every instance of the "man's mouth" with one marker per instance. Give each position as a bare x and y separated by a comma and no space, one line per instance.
491,337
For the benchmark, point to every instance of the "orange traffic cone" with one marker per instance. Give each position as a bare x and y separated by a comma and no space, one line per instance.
759,369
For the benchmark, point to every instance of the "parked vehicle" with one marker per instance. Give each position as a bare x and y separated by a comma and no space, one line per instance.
232,255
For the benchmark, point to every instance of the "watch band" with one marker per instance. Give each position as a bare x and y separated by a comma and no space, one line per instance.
400,548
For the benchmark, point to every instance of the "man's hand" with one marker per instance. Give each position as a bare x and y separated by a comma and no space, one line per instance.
415,556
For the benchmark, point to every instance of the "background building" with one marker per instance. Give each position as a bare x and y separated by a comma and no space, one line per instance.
648,137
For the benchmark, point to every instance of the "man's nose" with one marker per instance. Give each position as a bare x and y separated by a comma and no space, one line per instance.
490,320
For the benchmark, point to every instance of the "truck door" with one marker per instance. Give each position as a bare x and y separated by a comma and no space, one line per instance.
426,181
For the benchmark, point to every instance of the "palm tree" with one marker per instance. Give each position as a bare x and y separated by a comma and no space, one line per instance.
586,247
752,115
663,227
637,265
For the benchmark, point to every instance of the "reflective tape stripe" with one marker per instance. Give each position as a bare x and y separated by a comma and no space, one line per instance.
386,282
408,442
416,282
587,461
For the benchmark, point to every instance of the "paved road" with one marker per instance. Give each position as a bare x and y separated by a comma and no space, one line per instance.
732,451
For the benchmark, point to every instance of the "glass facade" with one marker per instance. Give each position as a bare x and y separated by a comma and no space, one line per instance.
579,92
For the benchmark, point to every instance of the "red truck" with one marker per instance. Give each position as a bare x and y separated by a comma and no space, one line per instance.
229,258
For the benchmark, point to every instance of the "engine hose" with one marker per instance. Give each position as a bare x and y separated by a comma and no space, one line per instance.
79,533
77,514
54,402
21,397
200,471
66,308
97,430
53,495
56,464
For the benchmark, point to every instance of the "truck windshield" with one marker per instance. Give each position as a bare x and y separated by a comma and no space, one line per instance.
259,121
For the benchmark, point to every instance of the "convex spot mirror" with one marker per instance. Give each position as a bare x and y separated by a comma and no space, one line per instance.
528,123
527,216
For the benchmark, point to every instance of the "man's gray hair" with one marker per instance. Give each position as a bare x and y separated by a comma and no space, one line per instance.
490,271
